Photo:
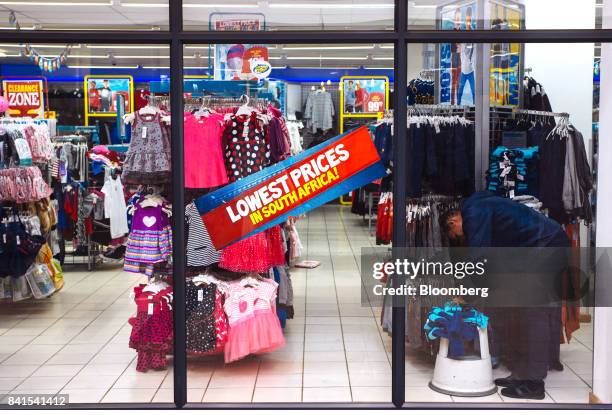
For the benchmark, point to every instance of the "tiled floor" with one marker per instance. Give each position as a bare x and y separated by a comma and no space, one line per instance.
76,341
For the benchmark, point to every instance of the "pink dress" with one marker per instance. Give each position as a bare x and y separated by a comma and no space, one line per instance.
254,327
204,163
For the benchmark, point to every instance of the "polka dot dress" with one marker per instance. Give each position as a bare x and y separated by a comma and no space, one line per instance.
247,150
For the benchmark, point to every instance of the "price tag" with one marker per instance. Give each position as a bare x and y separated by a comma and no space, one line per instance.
150,309
18,240
245,132
4,237
144,132
200,295
437,127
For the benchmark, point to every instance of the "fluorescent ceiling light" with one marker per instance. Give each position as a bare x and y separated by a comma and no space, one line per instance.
141,57
101,67
144,4
322,58
328,47
83,56
331,6
14,28
221,6
383,58
155,67
15,45
54,3
127,47
387,68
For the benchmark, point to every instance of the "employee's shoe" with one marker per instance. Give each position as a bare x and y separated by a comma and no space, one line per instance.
556,366
525,390
506,382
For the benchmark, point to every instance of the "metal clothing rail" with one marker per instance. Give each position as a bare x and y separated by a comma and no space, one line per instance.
541,113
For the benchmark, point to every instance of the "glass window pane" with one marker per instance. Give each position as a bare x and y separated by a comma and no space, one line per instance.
330,347
250,15
481,119
502,14
149,15
73,325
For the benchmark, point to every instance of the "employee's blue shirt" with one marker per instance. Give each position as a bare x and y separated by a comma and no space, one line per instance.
493,221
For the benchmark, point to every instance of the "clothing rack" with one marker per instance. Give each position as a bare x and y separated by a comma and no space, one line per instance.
541,113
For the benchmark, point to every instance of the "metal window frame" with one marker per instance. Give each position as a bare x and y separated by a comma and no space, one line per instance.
175,38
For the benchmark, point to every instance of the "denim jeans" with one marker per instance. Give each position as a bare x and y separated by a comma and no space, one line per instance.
466,78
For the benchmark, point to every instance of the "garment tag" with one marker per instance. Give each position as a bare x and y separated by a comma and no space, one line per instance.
511,194
437,127
150,309
18,240
245,132
144,132
4,237
200,295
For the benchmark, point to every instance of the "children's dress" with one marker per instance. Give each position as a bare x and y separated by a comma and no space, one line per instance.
254,327
150,241
148,158
247,150
204,163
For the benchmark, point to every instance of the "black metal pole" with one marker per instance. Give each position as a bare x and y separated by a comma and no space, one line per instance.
398,363
178,203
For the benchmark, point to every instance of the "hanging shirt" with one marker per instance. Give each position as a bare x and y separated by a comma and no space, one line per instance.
114,207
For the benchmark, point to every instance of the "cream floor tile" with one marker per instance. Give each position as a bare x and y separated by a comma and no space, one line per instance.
57,370
85,381
278,380
282,395
9,348
228,395
103,359
10,383
84,395
17,371
232,381
273,367
326,379
55,383
129,395
367,357
368,367
371,379
45,339
547,399
63,358
8,338
374,394
569,395
565,379
327,395
137,380
425,394
325,356
317,347
494,398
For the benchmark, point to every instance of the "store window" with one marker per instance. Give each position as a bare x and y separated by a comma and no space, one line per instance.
282,309
251,15
499,118
502,14
74,316
128,15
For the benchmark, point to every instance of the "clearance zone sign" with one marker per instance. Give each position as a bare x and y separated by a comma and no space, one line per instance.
290,188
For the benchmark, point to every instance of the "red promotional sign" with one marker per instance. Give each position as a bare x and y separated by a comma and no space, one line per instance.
26,98
292,187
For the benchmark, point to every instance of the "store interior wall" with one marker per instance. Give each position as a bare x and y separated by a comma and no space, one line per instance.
602,370
568,79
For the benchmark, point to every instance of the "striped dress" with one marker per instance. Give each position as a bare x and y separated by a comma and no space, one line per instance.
149,246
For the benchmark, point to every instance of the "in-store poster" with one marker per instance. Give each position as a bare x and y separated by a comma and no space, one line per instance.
505,58
292,187
102,94
233,62
458,60
26,98
364,96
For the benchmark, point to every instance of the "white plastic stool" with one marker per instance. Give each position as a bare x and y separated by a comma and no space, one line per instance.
467,376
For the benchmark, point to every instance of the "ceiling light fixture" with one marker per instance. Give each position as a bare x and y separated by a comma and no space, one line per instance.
221,6
54,3
332,6
127,47
328,47
322,58
101,67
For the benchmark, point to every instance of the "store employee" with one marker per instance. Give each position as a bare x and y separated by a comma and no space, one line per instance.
486,220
